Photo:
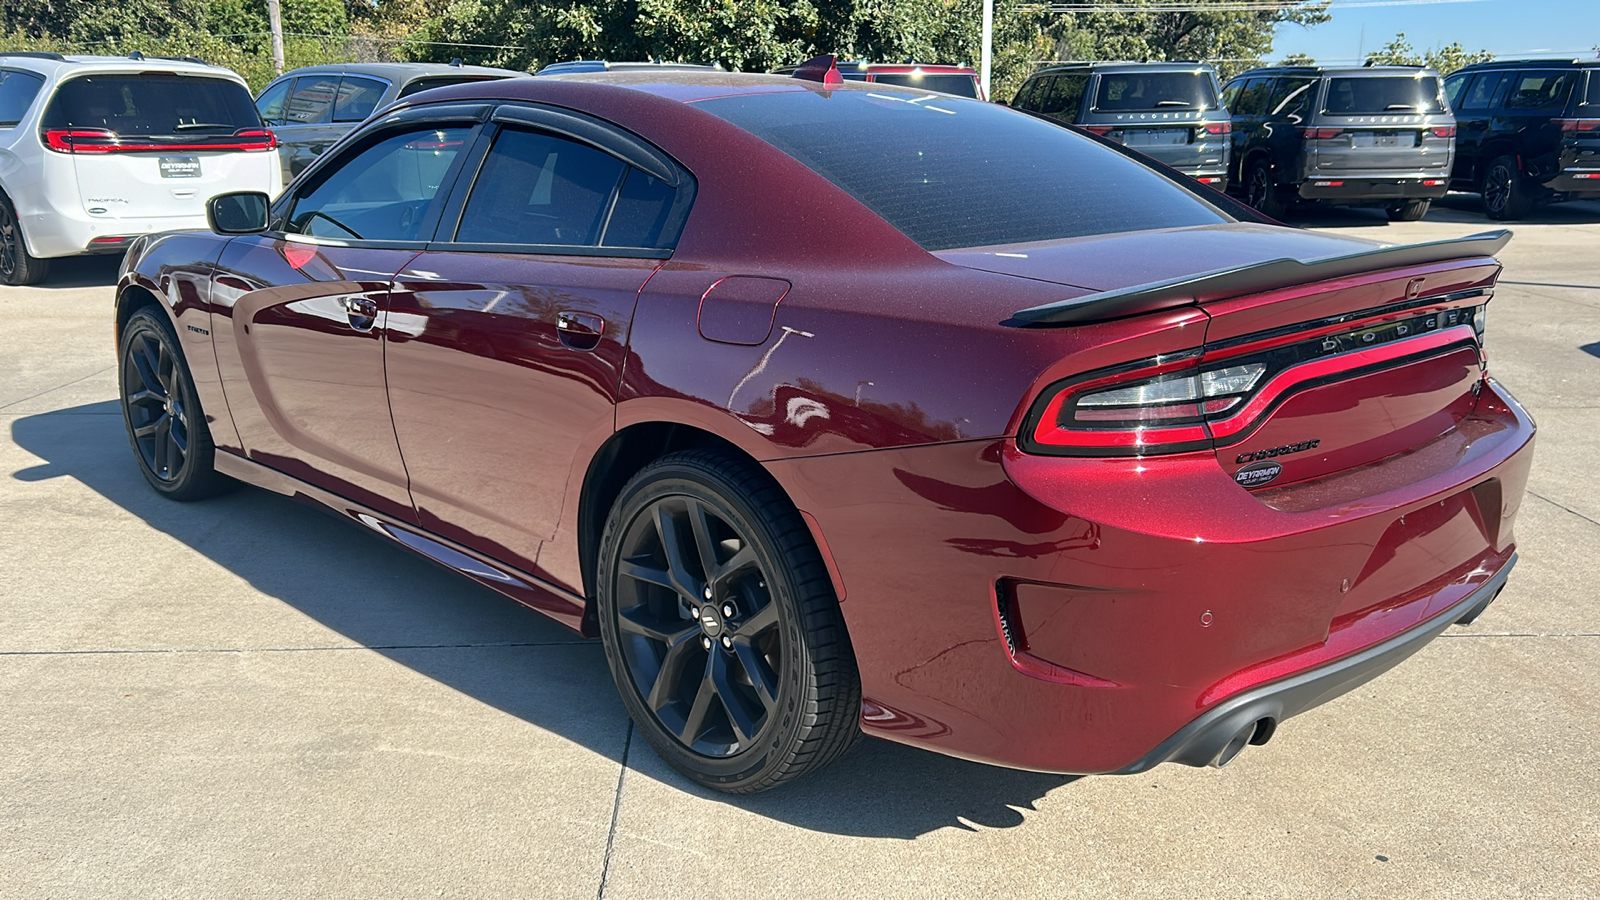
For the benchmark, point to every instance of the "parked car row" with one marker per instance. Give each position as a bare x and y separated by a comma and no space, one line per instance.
1398,137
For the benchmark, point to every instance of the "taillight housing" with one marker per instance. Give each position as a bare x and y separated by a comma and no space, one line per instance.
1320,134
1101,130
1180,402
103,140
1218,128
1443,131
1578,125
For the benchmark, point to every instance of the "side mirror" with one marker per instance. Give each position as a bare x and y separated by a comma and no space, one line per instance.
241,212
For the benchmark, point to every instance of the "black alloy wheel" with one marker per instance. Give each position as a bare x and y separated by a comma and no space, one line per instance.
1261,193
1505,195
17,266
721,627
165,425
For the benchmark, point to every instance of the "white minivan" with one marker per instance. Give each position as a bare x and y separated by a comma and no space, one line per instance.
97,150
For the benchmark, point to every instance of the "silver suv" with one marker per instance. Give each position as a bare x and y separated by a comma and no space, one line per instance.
97,150
1167,111
1373,136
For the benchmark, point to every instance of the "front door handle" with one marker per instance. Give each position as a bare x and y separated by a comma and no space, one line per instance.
580,330
362,312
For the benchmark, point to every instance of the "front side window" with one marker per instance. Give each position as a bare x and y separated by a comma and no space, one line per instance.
1150,91
1540,90
270,103
357,98
1380,94
17,90
1454,87
384,191
312,100
949,172
152,105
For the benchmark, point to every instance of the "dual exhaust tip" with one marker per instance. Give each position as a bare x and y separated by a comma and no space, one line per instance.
1257,732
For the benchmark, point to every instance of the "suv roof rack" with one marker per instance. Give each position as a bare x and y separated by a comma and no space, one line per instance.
138,56
35,54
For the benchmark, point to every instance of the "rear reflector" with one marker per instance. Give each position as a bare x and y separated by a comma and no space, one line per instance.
1588,175
1433,182
110,239
1209,179
100,140
1329,184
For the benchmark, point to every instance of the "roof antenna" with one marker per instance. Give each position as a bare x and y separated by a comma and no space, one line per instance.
822,68
456,62
136,56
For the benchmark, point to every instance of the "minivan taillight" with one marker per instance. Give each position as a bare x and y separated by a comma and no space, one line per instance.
1320,134
102,140
1576,125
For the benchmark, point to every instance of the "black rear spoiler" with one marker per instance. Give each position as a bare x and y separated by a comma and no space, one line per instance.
1252,279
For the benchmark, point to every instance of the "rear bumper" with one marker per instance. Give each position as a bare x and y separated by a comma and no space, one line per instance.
1367,189
1251,717
1579,181
55,233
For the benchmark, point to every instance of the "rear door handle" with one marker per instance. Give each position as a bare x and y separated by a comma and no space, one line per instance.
362,312
580,330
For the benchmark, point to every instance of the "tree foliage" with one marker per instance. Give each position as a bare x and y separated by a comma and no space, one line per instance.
1445,59
1232,38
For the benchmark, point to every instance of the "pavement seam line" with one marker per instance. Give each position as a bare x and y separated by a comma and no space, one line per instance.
295,649
59,387
1569,509
616,809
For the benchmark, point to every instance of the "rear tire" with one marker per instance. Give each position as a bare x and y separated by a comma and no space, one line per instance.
1409,211
166,427
721,627
17,266
1506,194
1261,192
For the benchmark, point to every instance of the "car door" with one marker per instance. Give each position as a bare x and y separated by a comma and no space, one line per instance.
508,337
299,312
1247,105
307,126
1473,122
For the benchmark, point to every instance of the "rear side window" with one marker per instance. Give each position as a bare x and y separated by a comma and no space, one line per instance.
1251,98
152,105
358,97
960,85
536,188
1481,94
1146,91
952,173
1376,95
428,84
1065,97
1540,90
1592,97
17,90
1292,97
382,192
312,100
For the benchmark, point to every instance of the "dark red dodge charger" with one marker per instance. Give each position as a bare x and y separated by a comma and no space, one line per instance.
842,408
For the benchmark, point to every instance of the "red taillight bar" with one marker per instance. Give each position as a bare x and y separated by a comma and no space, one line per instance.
1101,130
1219,128
100,140
1576,125
1443,131
1319,134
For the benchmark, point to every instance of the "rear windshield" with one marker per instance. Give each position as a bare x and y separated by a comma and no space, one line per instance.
1376,95
428,84
960,85
950,172
1143,91
153,105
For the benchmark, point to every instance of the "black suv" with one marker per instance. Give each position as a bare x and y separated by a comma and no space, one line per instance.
1529,130
1368,136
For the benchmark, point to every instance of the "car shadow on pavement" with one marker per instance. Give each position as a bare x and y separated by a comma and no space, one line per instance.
1591,349
1460,209
81,272
446,628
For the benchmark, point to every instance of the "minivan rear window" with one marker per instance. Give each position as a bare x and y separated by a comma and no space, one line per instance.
1376,95
960,85
949,172
190,106
1145,91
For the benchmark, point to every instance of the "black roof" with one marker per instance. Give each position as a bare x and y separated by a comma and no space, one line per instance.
1532,63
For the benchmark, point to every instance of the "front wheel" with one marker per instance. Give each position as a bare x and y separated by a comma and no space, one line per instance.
1409,211
1260,191
721,627
1506,195
162,413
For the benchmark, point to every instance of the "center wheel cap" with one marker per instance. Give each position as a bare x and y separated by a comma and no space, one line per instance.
711,621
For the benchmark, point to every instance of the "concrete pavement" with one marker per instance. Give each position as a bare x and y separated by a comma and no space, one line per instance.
247,697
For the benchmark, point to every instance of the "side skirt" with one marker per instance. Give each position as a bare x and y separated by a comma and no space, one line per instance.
556,602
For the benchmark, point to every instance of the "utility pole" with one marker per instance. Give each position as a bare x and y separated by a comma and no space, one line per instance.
988,45
275,22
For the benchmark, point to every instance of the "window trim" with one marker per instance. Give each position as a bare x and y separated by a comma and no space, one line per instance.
602,136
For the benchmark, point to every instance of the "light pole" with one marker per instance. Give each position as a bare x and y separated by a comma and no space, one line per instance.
988,43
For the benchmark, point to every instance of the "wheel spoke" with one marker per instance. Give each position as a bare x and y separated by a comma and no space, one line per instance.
647,574
638,621
762,678
177,449
682,581
145,363
761,620
670,674
163,429
738,562
700,525
695,721
144,396
745,727
144,431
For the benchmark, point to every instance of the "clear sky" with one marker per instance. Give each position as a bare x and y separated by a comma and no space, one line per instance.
1505,27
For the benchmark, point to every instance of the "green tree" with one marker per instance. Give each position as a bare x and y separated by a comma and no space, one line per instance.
1234,39
1297,59
1445,59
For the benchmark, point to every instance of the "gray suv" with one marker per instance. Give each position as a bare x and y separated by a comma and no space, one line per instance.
311,108
1167,111
1372,136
